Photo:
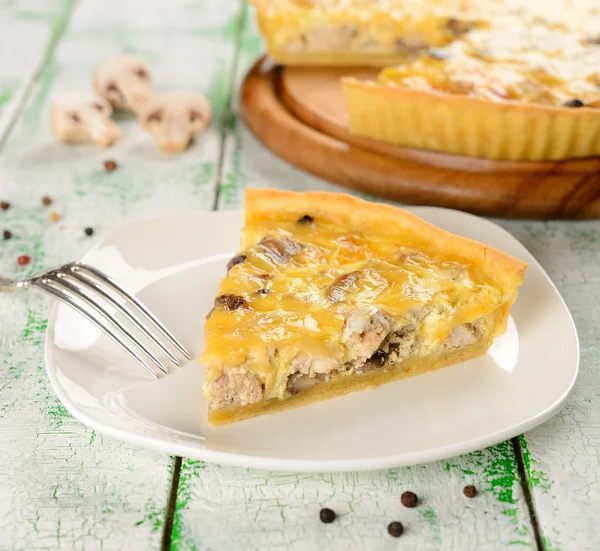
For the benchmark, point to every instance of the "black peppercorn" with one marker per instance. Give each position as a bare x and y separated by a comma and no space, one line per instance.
575,103
110,166
470,491
327,516
306,219
395,529
409,499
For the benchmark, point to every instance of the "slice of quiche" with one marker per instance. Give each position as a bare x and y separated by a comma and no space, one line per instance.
364,32
331,294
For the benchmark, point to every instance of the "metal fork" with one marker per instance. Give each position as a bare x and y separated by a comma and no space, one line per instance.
86,290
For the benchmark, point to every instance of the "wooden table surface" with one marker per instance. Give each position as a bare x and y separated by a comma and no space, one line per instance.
64,486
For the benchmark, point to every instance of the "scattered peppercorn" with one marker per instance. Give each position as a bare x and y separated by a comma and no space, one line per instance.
23,260
395,529
409,499
89,231
306,219
327,516
470,491
7,235
53,216
4,205
575,102
46,201
110,165
263,291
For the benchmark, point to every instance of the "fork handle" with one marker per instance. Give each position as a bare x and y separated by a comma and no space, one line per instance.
10,286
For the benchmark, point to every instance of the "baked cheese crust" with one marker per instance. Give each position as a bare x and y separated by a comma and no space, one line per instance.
332,294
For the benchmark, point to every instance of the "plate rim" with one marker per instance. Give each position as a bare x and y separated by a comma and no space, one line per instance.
158,444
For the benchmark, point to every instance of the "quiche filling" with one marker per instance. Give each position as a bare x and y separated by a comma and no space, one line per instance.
347,30
533,64
354,31
312,304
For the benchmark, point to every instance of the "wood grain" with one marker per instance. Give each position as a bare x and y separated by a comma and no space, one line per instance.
299,114
21,60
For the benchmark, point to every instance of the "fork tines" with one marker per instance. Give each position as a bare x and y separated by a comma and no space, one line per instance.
89,291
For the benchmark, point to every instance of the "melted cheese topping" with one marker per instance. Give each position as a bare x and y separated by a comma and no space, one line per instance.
298,284
535,64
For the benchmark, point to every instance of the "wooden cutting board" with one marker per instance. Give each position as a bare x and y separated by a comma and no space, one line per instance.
299,114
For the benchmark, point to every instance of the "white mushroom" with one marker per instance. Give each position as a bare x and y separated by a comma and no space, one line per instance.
174,118
83,117
124,80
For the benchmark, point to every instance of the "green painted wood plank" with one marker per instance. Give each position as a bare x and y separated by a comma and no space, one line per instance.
21,58
239,509
63,485
561,455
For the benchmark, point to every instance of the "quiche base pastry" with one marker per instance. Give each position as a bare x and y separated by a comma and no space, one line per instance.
331,294
363,32
471,126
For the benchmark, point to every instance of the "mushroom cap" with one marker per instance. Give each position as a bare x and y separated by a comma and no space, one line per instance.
80,99
124,80
118,64
175,117
83,117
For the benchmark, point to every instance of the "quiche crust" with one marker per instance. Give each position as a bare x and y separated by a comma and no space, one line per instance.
477,127
332,294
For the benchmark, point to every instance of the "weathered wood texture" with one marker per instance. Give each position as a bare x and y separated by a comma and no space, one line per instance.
62,485
42,23
236,509
562,455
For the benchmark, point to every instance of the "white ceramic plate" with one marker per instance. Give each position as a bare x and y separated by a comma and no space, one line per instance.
174,265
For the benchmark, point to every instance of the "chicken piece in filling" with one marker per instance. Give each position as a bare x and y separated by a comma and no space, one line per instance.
371,342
